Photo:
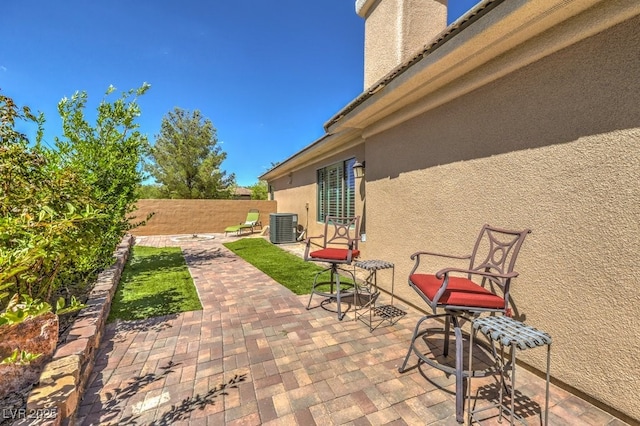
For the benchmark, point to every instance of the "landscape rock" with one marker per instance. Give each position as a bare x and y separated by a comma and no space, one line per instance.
37,335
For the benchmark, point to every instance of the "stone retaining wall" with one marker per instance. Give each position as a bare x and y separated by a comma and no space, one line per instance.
54,401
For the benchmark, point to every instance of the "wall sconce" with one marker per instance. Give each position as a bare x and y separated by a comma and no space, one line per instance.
358,169
290,177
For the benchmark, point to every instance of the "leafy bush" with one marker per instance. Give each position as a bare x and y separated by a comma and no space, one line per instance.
18,311
63,210
20,358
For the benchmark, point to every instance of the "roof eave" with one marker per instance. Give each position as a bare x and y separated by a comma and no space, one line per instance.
327,144
434,75
464,21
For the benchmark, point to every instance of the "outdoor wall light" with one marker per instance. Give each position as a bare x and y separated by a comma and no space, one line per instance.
358,169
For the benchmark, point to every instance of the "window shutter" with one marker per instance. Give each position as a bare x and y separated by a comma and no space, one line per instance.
336,190
350,188
335,194
322,195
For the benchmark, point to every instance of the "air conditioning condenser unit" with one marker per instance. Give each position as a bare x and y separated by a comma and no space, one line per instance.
283,227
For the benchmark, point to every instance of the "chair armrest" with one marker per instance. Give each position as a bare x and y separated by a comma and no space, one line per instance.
307,240
441,273
416,256
307,243
419,253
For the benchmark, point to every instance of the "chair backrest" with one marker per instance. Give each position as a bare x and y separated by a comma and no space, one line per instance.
341,231
252,217
496,250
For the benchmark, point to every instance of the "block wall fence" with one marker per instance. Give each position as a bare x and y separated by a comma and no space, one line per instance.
173,217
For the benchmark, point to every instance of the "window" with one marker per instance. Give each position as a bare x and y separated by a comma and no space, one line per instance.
336,190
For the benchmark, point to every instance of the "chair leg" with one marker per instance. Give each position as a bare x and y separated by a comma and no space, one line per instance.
447,329
334,272
339,290
411,346
338,301
460,379
313,288
333,281
470,364
458,371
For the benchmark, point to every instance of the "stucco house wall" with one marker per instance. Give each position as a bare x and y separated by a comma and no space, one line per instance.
529,117
554,147
293,191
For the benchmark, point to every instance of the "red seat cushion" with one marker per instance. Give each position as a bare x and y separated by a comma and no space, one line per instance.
334,254
460,292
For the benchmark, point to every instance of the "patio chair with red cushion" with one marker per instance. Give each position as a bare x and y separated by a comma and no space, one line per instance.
339,247
465,293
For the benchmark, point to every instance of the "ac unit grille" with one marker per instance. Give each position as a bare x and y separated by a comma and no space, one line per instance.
283,227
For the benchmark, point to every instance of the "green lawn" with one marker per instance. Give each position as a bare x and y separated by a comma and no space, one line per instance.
284,267
155,282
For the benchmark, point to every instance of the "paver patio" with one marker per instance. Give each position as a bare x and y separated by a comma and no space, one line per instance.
254,355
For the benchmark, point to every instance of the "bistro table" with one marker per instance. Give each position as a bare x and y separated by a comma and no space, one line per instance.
372,313
508,332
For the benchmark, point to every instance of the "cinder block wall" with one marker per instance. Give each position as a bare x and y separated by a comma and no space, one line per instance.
173,217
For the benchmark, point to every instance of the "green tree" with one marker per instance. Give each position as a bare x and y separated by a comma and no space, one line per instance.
186,158
259,190
107,156
149,191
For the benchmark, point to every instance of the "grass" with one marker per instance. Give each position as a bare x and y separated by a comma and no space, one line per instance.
284,267
155,282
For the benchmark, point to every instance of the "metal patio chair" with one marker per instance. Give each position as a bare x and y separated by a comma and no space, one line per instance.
251,222
339,247
463,294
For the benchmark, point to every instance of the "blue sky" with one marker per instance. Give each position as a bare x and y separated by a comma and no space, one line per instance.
267,74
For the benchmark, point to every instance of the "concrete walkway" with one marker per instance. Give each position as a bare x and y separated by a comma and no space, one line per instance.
254,355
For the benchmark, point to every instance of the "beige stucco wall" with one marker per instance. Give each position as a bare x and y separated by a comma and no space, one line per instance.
554,147
292,193
395,30
174,217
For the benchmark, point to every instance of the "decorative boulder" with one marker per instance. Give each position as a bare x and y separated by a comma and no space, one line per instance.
37,335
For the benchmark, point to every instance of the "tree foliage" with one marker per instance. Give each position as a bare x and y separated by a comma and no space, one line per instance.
186,159
150,191
106,156
259,190
39,223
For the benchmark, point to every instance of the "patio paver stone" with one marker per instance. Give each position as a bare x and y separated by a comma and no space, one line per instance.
254,355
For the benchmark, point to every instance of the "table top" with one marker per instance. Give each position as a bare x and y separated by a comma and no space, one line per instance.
374,264
508,331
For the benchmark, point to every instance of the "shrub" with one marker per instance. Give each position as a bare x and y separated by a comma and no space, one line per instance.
64,210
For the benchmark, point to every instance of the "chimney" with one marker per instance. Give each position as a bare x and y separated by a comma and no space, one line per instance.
395,30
